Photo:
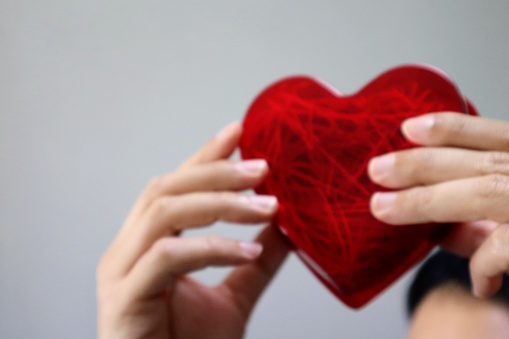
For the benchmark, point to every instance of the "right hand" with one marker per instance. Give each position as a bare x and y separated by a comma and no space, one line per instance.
143,290
460,175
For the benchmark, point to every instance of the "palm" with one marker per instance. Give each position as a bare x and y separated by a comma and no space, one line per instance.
201,312
191,310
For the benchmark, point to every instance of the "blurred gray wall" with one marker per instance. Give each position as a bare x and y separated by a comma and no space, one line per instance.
97,96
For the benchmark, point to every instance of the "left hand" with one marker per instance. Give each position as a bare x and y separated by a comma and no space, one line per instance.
143,285
460,176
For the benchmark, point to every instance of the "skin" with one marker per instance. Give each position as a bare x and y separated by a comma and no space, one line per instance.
451,312
143,287
460,176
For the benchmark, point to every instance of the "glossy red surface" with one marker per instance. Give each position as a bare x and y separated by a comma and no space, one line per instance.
318,144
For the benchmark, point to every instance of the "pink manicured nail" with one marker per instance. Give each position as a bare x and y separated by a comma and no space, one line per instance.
381,167
251,249
264,203
416,129
384,201
227,130
251,167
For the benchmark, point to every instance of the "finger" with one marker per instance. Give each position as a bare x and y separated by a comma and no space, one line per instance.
215,176
246,283
220,147
431,165
219,175
176,213
170,214
490,262
471,199
170,258
466,238
459,130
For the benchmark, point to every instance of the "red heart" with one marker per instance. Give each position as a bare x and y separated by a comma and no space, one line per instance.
318,144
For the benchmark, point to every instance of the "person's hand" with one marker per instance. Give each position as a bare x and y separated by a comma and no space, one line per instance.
142,287
461,176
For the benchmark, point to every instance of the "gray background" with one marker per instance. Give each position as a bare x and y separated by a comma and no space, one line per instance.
97,96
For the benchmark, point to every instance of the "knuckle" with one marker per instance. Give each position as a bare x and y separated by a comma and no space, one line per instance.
420,158
421,196
454,123
500,241
155,184
493,186
224,198
162,249
418,201
404,158
505,138
424,155
153,189
209,248
494,162
411,166
162,207
225,171
223,166
211,243
213,247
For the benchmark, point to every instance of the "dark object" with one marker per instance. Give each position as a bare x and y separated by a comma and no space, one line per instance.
441,268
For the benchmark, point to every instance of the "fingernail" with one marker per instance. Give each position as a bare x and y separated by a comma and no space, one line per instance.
475,291
264,203
252,167
383,201
478,291
485,287
381,167
227,130
416,129
251,249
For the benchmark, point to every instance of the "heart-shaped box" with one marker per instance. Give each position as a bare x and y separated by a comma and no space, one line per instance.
318,143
